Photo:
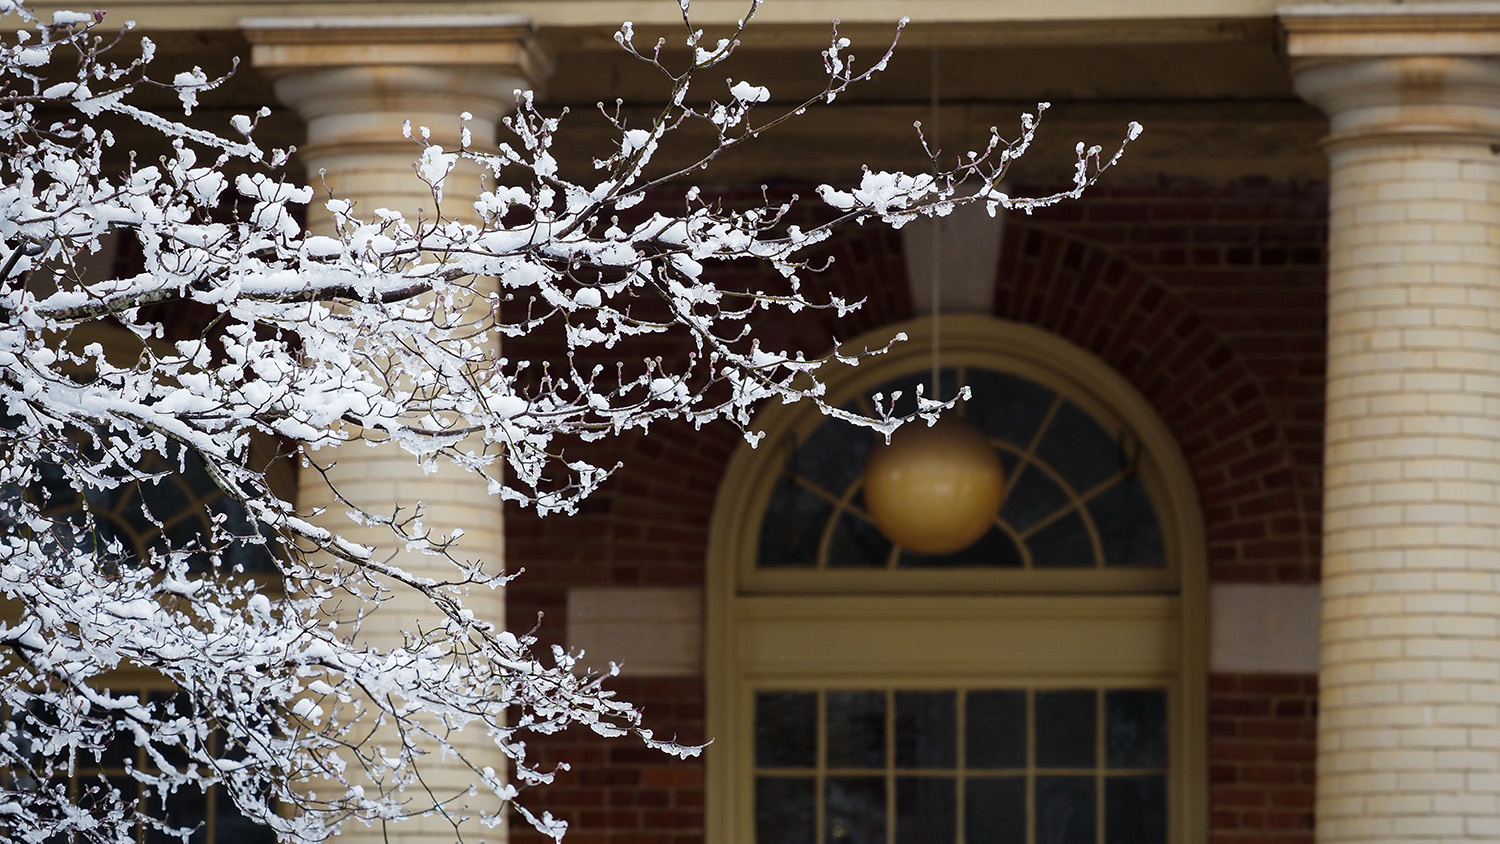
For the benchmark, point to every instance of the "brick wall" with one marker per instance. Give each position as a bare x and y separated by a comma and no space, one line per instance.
618,791
1262,730
1209,298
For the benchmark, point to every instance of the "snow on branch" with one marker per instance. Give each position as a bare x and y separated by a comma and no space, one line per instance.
380,328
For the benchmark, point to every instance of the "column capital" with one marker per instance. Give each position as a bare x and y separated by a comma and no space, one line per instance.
1398,73
354,80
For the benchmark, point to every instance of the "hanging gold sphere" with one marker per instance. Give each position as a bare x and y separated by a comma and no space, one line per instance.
934,489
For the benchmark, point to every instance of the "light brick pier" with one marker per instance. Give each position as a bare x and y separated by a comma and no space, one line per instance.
1409,720
354,81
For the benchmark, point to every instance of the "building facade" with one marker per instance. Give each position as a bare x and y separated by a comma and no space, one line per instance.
1246,391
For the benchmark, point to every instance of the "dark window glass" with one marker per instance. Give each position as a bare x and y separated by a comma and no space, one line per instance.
54,490
786,729
187,808
1135,810
854,810
1064,810
833,456
856,729
1007,407
230,827
1079,449
1127,525
995,810
1065,729
166,497
993,550
1063,544
793,525
857,543
926,810
926,729
1032,496
98,788
995,729
785,810
1135,728
121,748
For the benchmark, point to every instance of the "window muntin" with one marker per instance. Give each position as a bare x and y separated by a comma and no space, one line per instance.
1008,765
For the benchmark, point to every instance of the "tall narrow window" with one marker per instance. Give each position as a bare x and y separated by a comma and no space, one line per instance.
176,503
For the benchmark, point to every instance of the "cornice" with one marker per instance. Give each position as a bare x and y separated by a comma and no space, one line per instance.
507,41
1336,31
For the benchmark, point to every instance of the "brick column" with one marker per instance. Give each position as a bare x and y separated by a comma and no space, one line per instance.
1409,718
354,82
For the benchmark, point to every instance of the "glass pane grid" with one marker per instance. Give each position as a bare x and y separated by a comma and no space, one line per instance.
1072,499
210,813
1039,766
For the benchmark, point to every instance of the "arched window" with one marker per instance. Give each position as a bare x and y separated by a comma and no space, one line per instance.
174,505
1042,685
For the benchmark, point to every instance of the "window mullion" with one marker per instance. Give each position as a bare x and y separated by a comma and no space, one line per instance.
1031,819
820,770
961,763
890,766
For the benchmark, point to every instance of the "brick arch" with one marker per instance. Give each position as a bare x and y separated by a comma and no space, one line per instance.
1261,520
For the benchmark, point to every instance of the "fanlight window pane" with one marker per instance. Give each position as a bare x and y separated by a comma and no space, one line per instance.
1000,766
1073,497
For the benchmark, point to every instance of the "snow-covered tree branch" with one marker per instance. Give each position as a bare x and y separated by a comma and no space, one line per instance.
302,342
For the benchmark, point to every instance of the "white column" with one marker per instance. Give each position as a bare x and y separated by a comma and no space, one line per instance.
354,82
1409,712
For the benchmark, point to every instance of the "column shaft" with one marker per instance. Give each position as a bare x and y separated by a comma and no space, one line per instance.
354,84
1409,715
1409,709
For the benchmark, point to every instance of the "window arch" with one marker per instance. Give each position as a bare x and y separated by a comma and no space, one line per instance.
1048,681
1075,497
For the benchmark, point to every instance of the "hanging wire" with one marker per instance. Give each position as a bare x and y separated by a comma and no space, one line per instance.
935,140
